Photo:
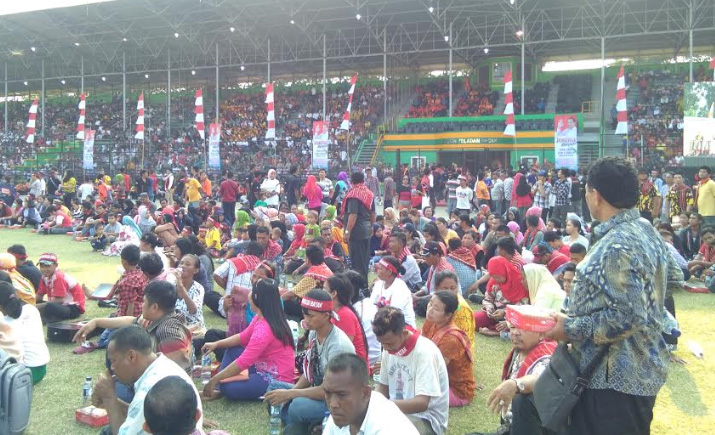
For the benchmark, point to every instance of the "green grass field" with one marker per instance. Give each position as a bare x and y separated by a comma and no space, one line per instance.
681,406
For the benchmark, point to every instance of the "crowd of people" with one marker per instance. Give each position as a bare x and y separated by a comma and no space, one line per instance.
319,291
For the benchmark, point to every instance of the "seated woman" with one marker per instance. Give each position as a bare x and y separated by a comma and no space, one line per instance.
544,290
505,287
190,294
533,235
454,345
265,349
341,290
447,280
390,289
25,321
295,256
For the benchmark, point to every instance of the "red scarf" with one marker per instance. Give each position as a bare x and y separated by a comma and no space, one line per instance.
465,256
409,345
403,255
328,252
681,191
273,250
442,265
245,263
530,236
320,272
513,289
361,193
540,351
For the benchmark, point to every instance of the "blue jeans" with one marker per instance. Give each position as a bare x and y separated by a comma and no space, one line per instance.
301,413
252,389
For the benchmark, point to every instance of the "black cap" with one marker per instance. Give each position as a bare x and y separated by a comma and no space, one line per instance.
432,248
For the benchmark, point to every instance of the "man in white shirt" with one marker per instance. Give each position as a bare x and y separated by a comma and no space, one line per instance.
354,407
134,362
464,196
85,189
413,374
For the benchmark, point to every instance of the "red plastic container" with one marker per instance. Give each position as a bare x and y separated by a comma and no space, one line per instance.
530,318
91,416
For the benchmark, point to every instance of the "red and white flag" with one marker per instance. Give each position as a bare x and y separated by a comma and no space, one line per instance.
621,106
31,122
712,62
80,121
271,120
345,125
199,111
140,118
510,129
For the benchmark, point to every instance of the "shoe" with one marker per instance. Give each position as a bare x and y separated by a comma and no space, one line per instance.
86,347
476,298
111,303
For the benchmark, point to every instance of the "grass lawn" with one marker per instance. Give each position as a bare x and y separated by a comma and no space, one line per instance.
681,405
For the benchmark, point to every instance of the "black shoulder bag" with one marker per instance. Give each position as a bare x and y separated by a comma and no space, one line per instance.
560,386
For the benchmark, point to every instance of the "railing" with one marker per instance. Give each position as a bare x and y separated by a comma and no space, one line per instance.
377,150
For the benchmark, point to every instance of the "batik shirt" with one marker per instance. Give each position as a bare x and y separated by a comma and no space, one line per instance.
645,199
617,298
679,200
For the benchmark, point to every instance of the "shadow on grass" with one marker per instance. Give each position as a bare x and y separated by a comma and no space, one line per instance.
684,392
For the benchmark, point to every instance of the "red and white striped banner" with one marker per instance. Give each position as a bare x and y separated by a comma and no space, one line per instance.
510,129
621,106
199,111
271,119
345,125
80,121
140,118
31,122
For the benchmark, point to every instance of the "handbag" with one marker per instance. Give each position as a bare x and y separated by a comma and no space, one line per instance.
560,386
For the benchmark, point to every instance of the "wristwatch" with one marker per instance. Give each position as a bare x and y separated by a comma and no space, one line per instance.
519,386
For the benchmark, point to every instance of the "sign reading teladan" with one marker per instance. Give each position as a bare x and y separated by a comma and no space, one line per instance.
12,7
699,119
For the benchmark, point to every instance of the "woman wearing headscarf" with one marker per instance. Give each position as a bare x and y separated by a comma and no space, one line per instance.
313,193
271,187
23,287
341,189
294,257
516,231
128,235
390,216
536,211
522,196
330,213
119,187
243,219
544,290
505,287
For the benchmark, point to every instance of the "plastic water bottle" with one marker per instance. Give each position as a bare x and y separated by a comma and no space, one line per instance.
696,349
87,392
325,420
205,369
274,421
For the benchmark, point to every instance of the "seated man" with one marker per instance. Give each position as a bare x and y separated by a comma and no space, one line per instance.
316,275
523,366
65,295
412,372
556,242
165,325
134,362
577,252
705,258
435,257
354,407
272,251
171,407
398,249
303,403
553,260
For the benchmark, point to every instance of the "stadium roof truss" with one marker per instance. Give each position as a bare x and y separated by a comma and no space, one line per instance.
294,36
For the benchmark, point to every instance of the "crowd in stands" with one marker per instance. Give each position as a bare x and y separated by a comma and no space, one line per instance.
476,101
432,100
268,253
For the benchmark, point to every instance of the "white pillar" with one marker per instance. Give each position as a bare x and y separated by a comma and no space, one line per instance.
168,92
325,55
217,86
690,43
384,76
124,91
82,74
6,96
450,70
43,98
603,93
269,61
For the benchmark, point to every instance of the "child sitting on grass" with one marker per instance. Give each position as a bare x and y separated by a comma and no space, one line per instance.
312,229
99,240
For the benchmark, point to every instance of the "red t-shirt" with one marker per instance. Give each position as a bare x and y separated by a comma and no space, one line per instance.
566,250
350,325
228,191
557,260
707,252
63,286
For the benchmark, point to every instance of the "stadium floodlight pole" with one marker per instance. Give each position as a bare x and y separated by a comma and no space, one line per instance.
6,97
81,71
325,60
690,32
217,96
124,91
168,91
42,63
523,79
384,78
268,61
450,69
603,95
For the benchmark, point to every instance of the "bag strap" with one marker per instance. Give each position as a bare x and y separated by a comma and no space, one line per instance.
584,378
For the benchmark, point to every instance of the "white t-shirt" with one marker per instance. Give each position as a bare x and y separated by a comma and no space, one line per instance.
382,418
426,364
85,190
161,368
28,329
464,197
196,293
367,310
269,185
397,295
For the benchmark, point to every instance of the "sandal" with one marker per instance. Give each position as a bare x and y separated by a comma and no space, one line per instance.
84,348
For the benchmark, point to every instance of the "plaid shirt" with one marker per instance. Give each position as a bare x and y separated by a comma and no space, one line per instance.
563,192
130,288
539,200
170,334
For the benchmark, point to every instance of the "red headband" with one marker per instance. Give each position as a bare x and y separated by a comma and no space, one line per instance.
389,266
316,305
267,268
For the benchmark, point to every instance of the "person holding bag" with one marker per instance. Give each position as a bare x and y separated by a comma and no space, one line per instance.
606,382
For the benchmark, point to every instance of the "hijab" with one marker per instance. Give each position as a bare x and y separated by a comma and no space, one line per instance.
330,212
129,222
512,289
544,290
243,219
514,228
311,190
536,211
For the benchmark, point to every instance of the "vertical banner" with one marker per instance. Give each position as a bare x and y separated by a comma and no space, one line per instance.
88,155
320,145
566,141
214,151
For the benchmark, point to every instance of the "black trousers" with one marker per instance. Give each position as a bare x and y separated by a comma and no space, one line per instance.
54,312
211,299
229,212
525,419
211,336
360,255
608,412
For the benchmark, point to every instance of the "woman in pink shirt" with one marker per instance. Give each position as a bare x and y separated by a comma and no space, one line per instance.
264,348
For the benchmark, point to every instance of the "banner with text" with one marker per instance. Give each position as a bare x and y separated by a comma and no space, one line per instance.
88,155
214,150
699,119
566,141
320,145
